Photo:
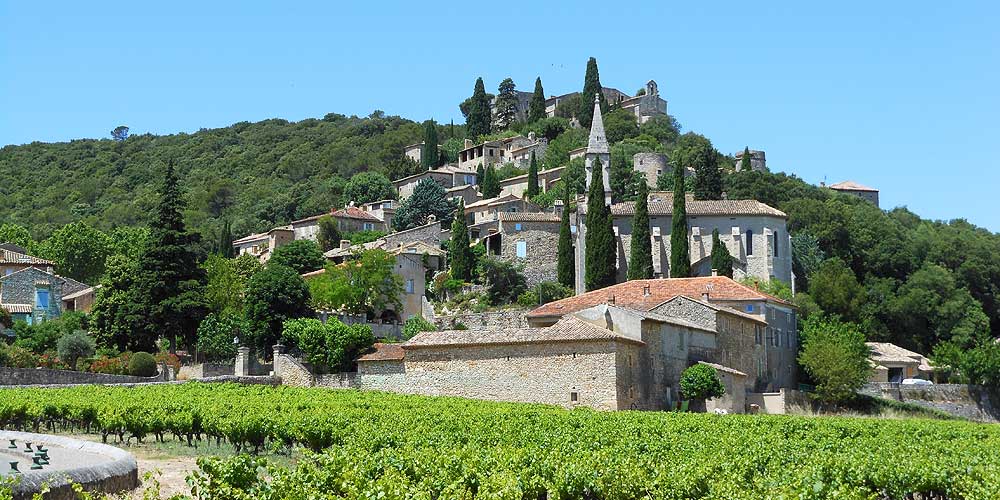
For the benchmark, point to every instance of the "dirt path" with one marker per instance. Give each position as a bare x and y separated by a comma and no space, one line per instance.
170,472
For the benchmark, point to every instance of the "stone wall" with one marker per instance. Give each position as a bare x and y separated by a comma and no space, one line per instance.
203,370
513,318
541,254
44,376
973,402
428,233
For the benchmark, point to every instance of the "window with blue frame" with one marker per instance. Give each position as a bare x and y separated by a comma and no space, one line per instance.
42,298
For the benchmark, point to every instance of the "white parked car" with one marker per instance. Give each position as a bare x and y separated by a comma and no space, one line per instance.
916,381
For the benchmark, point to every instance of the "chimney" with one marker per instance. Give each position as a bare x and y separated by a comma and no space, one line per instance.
704,296
645,291
468,144
611,299
715,272
345,244
822,184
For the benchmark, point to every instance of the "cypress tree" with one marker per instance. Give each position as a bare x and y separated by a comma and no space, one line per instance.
170,285
745,160
640,263
480,174
478,121
601,265
566,267
491,184
536,109
708,176
591,86
532,178
722,260
429,153
461,255
226,240
680,253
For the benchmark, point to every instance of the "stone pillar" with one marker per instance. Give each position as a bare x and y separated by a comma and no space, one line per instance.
242,368
279,350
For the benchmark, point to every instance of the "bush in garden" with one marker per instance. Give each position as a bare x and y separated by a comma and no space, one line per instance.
701,382
74,346
216,333
416,325
329,347
142,364
504,281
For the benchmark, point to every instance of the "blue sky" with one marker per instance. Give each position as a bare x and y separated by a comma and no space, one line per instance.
902,96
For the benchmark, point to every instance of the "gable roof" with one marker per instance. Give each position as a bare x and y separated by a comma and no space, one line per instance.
725,310
661,206
8,256
568,329
418,248
631,294
385,352
851,186
355,213
528,217
28,270
260,236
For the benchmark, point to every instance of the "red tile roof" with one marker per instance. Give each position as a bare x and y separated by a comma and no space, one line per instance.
355,213
384,352
631,294
12,257
699,207
568,329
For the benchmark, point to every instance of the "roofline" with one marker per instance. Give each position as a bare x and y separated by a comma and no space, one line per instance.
613,338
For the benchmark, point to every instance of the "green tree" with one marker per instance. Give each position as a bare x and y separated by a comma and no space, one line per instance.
640,264
600,266
806,257
931,307
620,124
504,281
216,334
79,251
707,174
701,382
120,133
429,154
331,346
663,128
680,253
490,187
274,295
536,109
367,187
624,178
415,325
74,346
480,174
834,354
171,283
591,87
365,285
836,290
462,260
477,119
225,248
301,255
506,105
116,314
566,264
428,198
328,236
722,260
15,235
532,190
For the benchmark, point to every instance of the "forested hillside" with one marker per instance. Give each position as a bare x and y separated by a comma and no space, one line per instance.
255,174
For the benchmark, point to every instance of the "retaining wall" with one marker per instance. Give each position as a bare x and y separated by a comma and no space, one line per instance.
514,318
204,370
45,376
973,402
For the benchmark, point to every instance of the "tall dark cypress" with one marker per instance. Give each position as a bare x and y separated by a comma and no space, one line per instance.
745,160
601,245
429,152
640,262
478,121
708,176
536,109
226,240
491,183
722,260
532,190
591,86
566,266
170,286
461,255
480,175
680,253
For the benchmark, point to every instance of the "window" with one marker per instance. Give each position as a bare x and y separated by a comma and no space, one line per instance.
42,298
774,243
749,243
574,397
409,286
749,308
522,249
517,227
757,334
368,226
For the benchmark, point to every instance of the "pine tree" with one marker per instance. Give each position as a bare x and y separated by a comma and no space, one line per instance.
429,152
640,263
536,110
506,105
532,190
478,120
601,246
745,160
680,253
171,283
491,183
722,260
591,86
708,176
462,259
566,267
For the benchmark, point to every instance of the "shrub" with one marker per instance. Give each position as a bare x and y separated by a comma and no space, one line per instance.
701,382
504,281
115,365
216,333
416,325
834,354
73,346
5,319
528,299
37,338
301,255
549,291
171,360
142,364
329,347
19,357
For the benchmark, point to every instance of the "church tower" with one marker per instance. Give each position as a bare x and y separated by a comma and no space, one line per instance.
597,149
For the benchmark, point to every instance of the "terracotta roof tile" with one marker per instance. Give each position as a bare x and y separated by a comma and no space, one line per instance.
528,217
631,294
567,329
664,206
12,257
17,308
851,186
355,213
385,352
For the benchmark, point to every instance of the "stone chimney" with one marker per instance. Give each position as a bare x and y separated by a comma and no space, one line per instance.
645,291
468,144
345,244
715,272
611,299
704,296
431,218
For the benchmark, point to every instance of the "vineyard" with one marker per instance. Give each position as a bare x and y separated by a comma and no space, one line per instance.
376,445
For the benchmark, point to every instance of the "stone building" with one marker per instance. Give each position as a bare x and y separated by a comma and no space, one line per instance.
487,210
468,193
519,184
32,294
14,258
598,151
653,165
383,210
893,363
854,189
447,176
758,161
645,105
528,239
414,151
514,150
262,245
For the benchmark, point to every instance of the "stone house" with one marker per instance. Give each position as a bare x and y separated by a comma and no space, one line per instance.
854,189
644,106
468,193
414,151
262,245
893,363
382,210
447,176
14,258
32,294
517,185
757,334
529,239
515,150
487,210
80,300
653,165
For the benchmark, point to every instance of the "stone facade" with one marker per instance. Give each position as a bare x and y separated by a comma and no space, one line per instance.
483,321
973,402
32,294
758,161
263,245
429,233
414,152
854,189
536,250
